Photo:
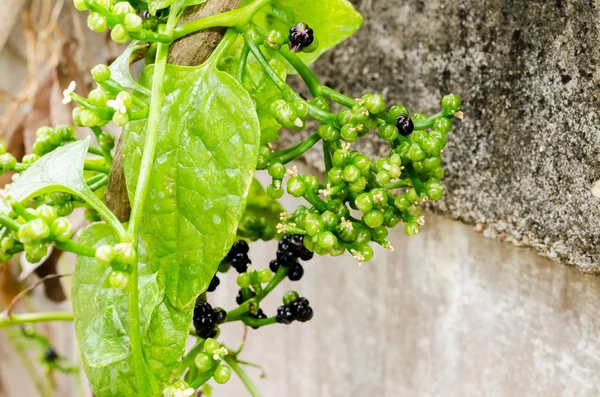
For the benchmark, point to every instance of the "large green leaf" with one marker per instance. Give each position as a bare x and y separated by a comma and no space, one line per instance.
101,322
206,155
333,21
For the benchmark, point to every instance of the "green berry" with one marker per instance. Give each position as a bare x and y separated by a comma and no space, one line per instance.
101,73
373,218
120,119
243,280
411,228
431,163
382,177
415,153
326,240
374,103
77,116
351,173
275,40
301,108
394,171
80,5
336,175
328,133
204,362
339,158
451,103
349,133
133,22
106,140
402,202
330,220
277,171
361,161
379,233
222,374
313,225
98,97
366,251
97,22
265,275
211,346
312,182
106,254
35,252
126,253
125,97
62,229
290,297
364,202
89,118
7,243
65,208
439,137
363,235
296,186
412,195
120,34
320,103
442,125
274,192
358,185
8,162
437,172
388,132
123,8
118,279
66,132
47,213
396,111
434,189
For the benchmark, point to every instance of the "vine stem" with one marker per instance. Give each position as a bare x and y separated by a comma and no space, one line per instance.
26,318
235,365
156,103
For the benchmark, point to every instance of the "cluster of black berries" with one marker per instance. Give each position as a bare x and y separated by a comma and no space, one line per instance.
238,256
298,310
206,319
301,36
290,249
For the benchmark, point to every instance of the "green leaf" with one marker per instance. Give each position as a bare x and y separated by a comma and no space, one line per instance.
101,322
206,155
333,21
155,5
60,171
263,210
121,72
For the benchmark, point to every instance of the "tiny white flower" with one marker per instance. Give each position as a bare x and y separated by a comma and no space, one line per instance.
284,216
298,122
117,105
67,93
358,256
293,172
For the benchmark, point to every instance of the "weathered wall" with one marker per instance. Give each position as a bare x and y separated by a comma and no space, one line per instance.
523,160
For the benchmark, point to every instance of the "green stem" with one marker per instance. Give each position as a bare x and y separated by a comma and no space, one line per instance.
286,155
312,82
205,377
234,364
398,184
327,158
88,166
337,97
115,88
76,248
414,178
156,103
105,152
315,200
26,318
95,150
99,184
242,64
235,18
258,322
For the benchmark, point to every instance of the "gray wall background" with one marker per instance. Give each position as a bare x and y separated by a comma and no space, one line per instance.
450,312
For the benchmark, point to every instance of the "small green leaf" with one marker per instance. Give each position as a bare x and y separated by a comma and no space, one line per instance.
101,322
206,155
333,21
261,208
121,72
155,5
61,171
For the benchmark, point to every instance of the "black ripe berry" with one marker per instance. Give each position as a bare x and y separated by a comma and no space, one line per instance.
206,319
238,256
50,354
274,265
299,310
405,124
301,36
296,272
214,283
220,314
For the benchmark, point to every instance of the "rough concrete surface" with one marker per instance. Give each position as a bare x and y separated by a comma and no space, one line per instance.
522,162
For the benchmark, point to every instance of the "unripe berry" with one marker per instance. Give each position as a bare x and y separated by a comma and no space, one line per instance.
265,275
101,73
349,133
328,133
351,173
296,186
388,132
336,175
98,97
106,140
330,220
105,254
120,34
277,171
133,22
35,252
204,362
222,374
275,40
411,228
274,192
364,202
382,177
326,240
123,8
89,118
339,158
80,5
243,280
396,111
313,225
126,253
402,202
312,182
321,103
120,119
415,153
77,116
373,218
211,346
62,229
434,189
8,162
47,213
358,185
363,235
66,132
65,208
366,251
451,103
442,125
361,161
97,22
374,103
379,233
118,279
290,297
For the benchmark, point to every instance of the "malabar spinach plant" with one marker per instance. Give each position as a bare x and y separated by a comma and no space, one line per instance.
193,139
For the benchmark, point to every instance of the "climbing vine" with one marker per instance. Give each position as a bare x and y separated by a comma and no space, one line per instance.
193,139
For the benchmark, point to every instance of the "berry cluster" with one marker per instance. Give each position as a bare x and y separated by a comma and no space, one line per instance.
206,319
294,308
290,249
47,139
